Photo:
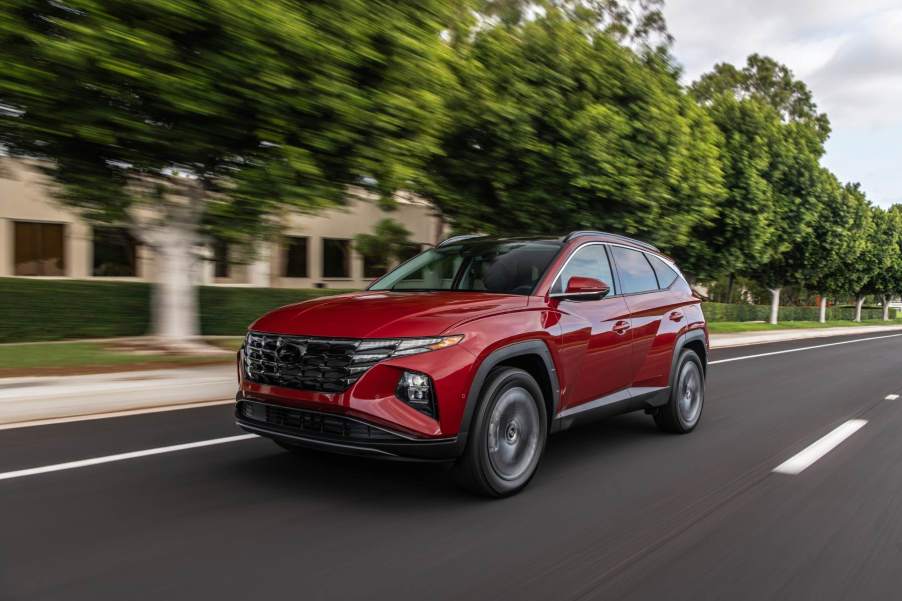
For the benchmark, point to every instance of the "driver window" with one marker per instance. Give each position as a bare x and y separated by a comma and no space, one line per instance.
590,262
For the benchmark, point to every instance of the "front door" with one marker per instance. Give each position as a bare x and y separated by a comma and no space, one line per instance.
596,334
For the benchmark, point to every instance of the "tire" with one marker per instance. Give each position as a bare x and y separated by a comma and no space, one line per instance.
683,411
507,436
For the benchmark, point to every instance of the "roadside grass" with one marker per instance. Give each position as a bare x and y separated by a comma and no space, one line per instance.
64,358
732,327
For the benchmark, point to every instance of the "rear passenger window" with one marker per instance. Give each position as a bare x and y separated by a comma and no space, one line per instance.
636,274
666,274
588,262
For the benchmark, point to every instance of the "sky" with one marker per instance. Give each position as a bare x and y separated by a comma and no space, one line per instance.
849,52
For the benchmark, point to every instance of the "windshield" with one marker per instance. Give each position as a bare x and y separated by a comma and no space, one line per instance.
503,267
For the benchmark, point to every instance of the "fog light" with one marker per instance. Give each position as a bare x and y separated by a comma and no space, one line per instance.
415,389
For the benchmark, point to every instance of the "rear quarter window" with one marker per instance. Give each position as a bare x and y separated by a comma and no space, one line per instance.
636,273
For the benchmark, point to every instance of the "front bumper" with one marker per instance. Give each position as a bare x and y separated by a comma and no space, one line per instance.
337,433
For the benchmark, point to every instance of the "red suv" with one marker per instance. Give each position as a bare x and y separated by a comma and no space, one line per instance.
476,350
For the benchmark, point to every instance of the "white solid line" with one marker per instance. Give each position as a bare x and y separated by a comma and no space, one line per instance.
804,348
124,413
803,459
122,456
892,397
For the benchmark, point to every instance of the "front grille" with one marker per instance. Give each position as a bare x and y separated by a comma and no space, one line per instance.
306,363
313,423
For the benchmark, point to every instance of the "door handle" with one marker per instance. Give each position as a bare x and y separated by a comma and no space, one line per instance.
676,316
621,327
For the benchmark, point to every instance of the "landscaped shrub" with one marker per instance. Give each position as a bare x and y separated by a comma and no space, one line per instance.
32,310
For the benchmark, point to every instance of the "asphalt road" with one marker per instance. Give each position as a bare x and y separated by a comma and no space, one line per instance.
617,510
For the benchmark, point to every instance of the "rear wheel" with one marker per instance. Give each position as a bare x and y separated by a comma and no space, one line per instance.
507,436
687,397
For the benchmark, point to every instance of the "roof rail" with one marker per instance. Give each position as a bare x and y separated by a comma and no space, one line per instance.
578,233
460,238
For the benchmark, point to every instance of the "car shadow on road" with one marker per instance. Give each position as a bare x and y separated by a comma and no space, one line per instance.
381,483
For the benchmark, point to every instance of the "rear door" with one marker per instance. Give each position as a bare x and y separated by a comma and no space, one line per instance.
595,333
654,312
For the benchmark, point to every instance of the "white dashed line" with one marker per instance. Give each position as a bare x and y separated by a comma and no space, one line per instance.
71,465
805,458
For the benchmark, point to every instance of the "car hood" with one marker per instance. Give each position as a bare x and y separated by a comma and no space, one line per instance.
382,314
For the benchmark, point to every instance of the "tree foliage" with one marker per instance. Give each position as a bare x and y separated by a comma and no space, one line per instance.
632,22
386,244
773,144
554,130
262,104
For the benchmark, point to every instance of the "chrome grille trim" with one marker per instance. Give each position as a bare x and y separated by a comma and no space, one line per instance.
312,363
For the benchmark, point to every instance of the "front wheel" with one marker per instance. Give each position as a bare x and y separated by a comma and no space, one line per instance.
687,397
507,436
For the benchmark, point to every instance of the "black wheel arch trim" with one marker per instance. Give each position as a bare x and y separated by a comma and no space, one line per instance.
685,338
495,358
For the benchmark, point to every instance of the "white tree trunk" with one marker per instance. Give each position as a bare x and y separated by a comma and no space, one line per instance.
774,305
858,303
822,317
175,318
886,299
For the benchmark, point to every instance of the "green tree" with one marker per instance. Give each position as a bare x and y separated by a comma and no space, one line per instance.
386,244
773,142
876,272
186,117
554,130
633,22
832,249
892,282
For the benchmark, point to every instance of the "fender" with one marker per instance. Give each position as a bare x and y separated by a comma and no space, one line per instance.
689,336
498,356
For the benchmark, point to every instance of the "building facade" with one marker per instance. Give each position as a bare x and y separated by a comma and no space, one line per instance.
41,238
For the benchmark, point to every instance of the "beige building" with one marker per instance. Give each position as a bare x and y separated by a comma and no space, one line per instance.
40,238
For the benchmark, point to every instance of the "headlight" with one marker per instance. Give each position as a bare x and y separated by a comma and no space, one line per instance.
416,390
410,346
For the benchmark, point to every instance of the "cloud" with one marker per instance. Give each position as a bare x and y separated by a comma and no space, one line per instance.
849,53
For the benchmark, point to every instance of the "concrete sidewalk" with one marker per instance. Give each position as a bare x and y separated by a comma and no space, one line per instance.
764,337
39,398
31,399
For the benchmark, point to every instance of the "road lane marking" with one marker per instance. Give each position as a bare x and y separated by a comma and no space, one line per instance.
807,456
122,456
892,397
123,413
804,348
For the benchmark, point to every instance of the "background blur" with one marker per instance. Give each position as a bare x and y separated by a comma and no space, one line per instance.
170,168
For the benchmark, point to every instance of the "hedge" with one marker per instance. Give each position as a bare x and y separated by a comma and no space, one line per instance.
32,310
748,312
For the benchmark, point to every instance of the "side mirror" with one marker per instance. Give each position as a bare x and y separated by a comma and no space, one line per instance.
582,288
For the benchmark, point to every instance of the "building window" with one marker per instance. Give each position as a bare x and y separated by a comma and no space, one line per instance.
336,258
373,267
295,257
221,259
115,252
39,248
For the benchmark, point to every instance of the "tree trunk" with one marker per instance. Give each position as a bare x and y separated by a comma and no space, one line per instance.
730,284
822,317
175,318
774,305
858,303
886,299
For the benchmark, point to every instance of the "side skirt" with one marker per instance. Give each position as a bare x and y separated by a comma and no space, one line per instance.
622,401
